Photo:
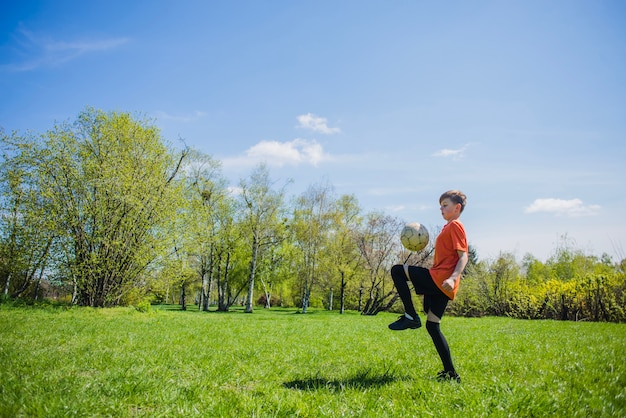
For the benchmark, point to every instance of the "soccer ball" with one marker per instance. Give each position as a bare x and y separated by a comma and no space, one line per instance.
414,236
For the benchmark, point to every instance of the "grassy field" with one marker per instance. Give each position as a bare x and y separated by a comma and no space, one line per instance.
119,362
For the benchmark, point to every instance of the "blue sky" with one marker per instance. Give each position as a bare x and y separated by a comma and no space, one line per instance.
520,104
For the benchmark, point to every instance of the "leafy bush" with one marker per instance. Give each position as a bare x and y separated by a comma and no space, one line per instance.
591,297
143,306
274,300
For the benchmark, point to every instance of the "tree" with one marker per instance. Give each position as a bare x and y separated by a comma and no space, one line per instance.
274,268
212,232
26,237
109,183
231,275
534,270
500,275
312,226
343,249
262,208
206,192
378,243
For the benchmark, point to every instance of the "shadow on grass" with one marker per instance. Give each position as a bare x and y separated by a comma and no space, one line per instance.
362,380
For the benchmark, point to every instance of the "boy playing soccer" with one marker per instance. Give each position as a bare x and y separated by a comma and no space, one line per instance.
438,284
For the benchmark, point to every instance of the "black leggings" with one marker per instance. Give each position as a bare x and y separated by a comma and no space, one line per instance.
435,301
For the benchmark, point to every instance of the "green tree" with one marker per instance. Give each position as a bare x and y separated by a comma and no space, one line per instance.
343,249
202,229
26,237
313,226
274,270
500,275
230,255
109,181
263,209
534,270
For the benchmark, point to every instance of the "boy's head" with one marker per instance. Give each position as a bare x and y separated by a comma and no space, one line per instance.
455,196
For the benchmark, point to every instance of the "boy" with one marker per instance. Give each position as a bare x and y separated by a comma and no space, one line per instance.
438,284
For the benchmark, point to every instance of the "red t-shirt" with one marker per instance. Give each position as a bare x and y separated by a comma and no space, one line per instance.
451,239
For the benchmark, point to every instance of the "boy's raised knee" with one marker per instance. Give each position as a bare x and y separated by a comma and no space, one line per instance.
397,271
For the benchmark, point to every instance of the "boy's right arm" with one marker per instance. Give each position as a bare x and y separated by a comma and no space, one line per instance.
450,282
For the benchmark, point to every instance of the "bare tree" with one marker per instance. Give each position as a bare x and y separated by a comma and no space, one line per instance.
379,244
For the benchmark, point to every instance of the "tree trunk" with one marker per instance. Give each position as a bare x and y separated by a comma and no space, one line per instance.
183,297
306,297
222,285
6,285
330,300
360,298
268,294
207,301
38,284
343,294
207,279
305,304
255,253
204,294
74,293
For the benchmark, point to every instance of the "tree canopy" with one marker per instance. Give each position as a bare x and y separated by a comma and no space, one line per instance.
106,188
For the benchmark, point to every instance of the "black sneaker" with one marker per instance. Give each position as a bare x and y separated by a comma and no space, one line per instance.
405,323
448,376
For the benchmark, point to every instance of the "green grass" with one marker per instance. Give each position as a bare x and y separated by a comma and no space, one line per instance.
120,362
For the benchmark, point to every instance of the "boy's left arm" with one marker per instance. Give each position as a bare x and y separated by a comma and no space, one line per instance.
449,283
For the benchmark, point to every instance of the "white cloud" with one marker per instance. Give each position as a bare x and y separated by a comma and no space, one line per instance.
455,154
234,190
572,207
395,208
275,153
316,124
190,117
41,51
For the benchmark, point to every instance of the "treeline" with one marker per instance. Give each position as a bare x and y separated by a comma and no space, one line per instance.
103,212
568,286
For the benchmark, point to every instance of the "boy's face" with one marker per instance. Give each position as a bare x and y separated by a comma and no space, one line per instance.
450,210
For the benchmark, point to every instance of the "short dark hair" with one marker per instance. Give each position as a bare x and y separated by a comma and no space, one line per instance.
456,196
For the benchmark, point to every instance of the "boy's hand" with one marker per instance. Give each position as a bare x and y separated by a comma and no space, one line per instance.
448,284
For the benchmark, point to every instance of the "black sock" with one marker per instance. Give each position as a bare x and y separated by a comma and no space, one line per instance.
402,286
441,345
